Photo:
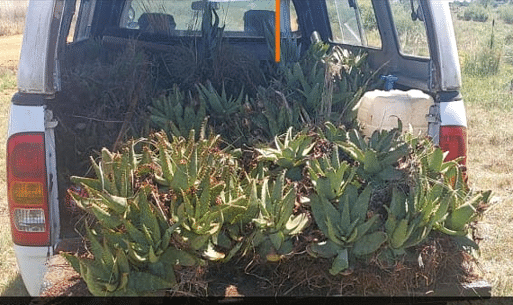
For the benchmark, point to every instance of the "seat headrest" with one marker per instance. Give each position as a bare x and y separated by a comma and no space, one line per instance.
157,23
255,21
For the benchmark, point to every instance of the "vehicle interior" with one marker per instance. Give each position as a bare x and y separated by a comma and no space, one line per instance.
392,32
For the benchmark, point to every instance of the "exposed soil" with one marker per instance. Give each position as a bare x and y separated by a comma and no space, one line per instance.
62,280
438,266
10,51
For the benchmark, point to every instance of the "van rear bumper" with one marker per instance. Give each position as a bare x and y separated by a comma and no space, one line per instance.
32,263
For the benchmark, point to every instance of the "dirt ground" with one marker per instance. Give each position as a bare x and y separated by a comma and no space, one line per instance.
10,51
443,267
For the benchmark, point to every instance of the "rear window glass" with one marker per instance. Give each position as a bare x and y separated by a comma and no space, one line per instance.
410,28
369,23
82,19
354,22
174,17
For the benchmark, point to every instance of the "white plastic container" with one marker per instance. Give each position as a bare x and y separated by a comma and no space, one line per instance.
380,109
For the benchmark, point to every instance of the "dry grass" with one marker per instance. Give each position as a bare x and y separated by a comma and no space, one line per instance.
490,150
12,16
489,102
490,167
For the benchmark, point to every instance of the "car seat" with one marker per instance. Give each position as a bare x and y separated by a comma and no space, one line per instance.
255,21
157,23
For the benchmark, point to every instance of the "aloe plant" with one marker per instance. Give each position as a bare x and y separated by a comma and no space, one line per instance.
332,81
409,218
275,224
220,105
107,274
135,222
333,133
346,227
378,156
463,204
290,153
135,233
128,254
274,113
207,193
439,199
185,162
176,114
330,176
458,205
203,213
341,213
114,174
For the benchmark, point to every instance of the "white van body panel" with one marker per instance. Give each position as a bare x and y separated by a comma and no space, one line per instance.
32,76
453,113
26,119
32,265
446,45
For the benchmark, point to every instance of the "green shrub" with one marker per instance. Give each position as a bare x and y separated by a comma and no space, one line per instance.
460,4
506,13
508,40
474,13
508,49
486,3
485,62
7,79
368,17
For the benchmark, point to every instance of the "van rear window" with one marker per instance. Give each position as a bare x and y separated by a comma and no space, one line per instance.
409,24
183,17
354,23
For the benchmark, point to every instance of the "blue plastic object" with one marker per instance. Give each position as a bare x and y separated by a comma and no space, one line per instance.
389,81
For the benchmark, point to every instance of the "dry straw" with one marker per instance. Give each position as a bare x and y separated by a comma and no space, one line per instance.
12,17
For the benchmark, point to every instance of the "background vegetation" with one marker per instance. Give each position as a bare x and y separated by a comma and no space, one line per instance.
489,105
12,16
489,102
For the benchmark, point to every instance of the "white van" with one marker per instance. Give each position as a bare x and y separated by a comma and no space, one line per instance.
411,41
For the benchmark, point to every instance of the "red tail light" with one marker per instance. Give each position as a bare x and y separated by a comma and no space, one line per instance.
27,189
454,140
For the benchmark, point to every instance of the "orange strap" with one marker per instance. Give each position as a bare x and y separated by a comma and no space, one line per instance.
277,28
